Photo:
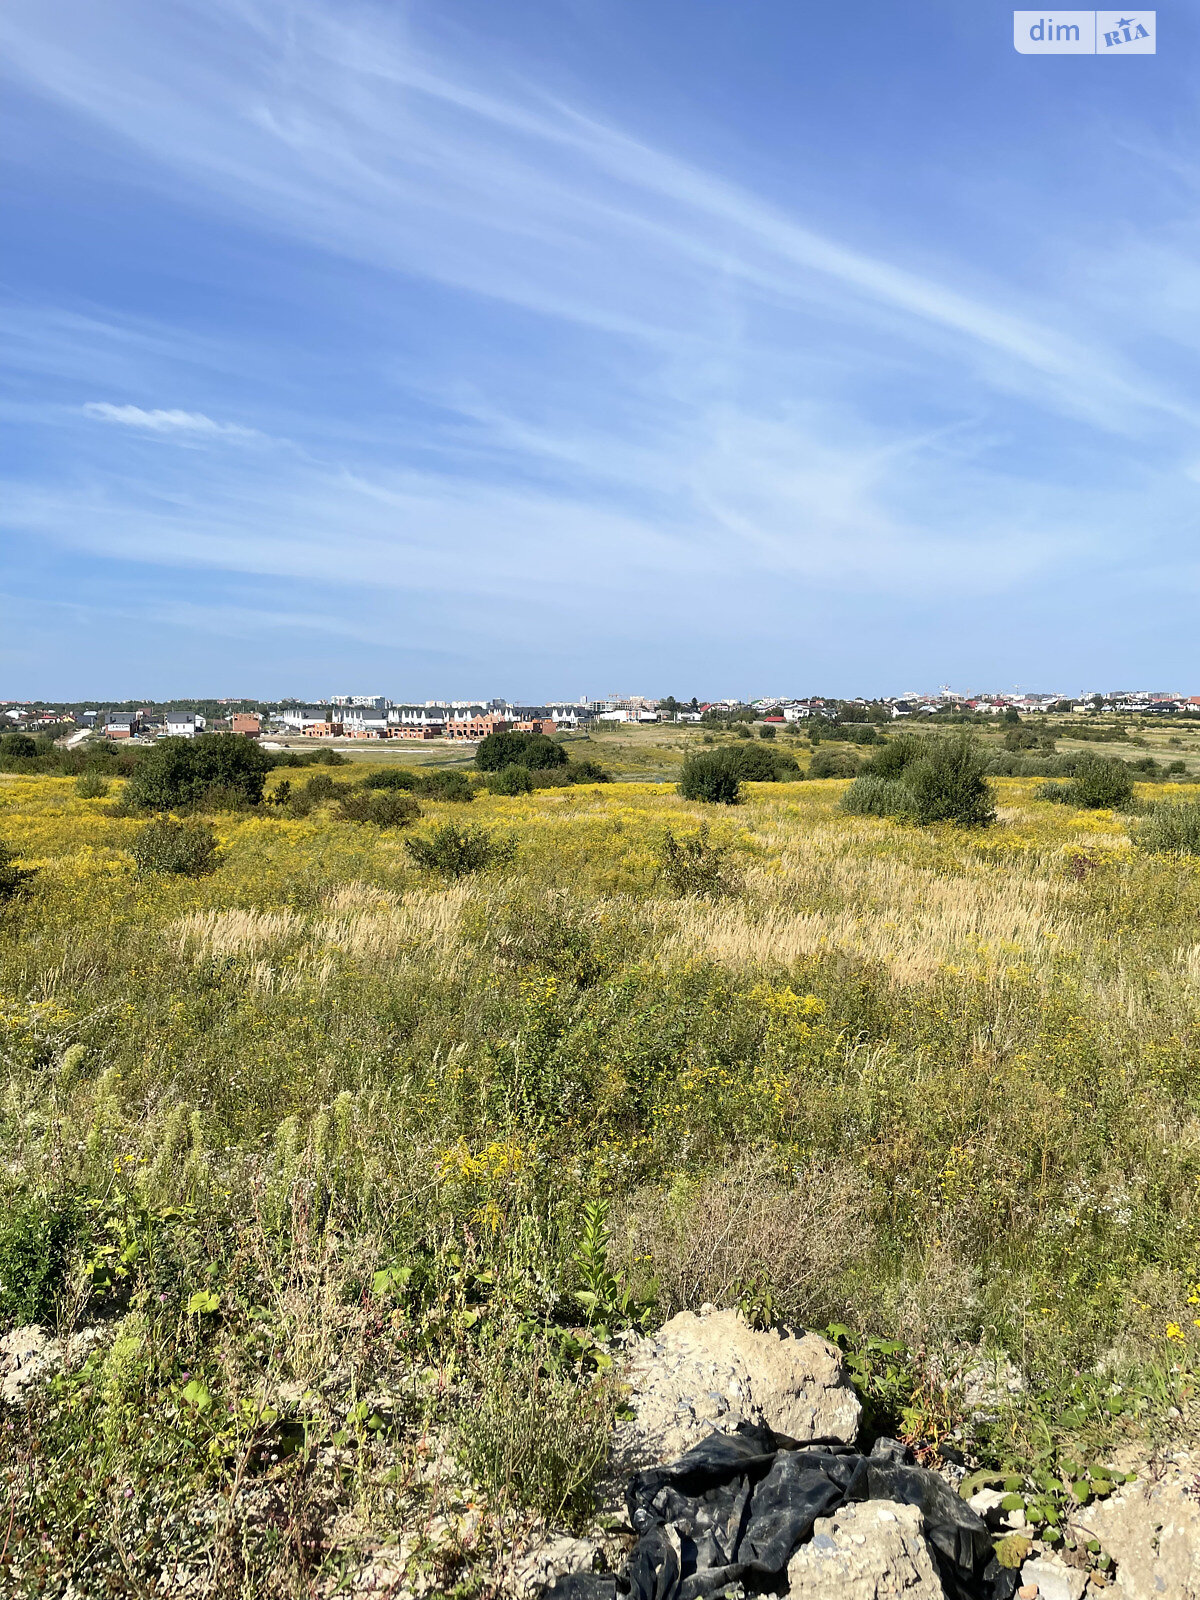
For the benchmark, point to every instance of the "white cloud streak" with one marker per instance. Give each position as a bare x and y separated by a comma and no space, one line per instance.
716,409
332,125
166,422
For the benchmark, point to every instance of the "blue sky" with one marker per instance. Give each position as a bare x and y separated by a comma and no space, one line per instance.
584,346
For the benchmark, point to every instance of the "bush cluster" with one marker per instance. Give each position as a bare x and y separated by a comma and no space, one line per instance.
927,781
534,750
187,848
438,783
454,852
385,808
1098,785
220,771
819,730
711,777
835,763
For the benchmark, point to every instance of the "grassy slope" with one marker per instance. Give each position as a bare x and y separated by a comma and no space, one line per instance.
927,1084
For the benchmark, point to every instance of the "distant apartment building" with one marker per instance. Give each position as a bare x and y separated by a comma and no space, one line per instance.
360,702
324,730
247,722
472,729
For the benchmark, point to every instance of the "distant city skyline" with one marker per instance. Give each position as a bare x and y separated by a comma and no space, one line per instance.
706,345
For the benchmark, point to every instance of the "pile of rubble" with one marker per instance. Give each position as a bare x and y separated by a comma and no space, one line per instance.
707,1387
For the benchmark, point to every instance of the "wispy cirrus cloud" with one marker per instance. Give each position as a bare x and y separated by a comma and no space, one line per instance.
167,422
348,131
530,344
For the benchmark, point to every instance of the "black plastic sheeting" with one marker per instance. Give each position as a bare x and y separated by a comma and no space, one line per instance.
736,1508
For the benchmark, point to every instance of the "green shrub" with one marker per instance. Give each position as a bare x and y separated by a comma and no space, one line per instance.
324,757
872,796
513,779
754,764
320,788
588,771
18,747
499,750
1171,830
767,733
91,785
391,778
694,865
387,808
454,852
35,1236
897,756
835,763
446,785
179,773
1099,784
948,785
186,848
711,777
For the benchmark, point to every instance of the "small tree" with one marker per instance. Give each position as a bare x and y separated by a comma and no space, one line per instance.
897,755
446,785
766,733
837,762
17,747
948,785
454,852
944,783
186,848
711,777
91,785
1101,784
753,764
178,773
536,750
589,771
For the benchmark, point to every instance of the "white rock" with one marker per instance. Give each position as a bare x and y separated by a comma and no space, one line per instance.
1054,1579
708,1373
988,1503
26,1354
872,1551
1151,1529
538,1566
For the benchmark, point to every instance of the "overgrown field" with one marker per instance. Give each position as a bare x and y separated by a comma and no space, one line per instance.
365,1167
